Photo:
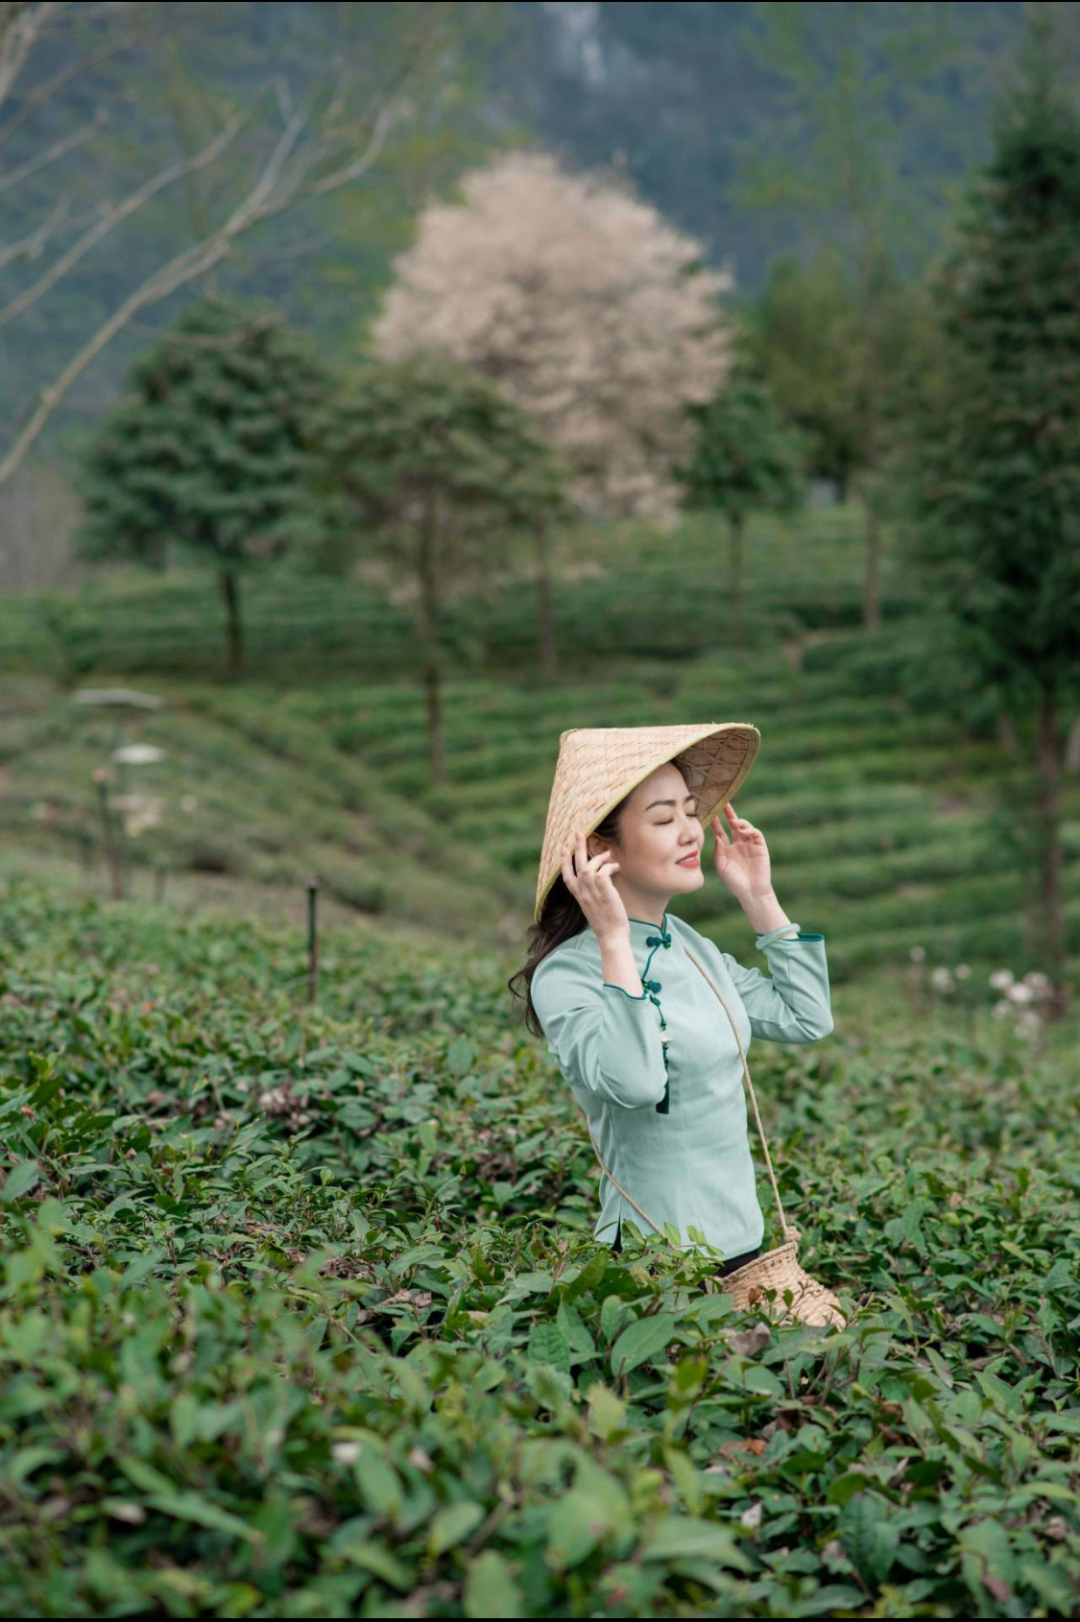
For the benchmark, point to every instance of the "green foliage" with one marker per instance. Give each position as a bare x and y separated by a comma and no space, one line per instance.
207,451
745,456
992,490
437,465
300,1312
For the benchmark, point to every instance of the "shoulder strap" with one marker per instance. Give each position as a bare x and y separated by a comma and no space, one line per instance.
786,1229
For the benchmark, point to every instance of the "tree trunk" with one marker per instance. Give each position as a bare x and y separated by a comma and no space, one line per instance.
545,619
1072,748
735,583
429,640
871,603
230,590
1050,854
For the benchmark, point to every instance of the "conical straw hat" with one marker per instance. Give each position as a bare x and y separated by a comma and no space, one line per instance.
598,766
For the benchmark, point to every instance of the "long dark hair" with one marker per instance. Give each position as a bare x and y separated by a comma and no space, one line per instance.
561,919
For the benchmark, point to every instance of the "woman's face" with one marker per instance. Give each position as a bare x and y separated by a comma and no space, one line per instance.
659,828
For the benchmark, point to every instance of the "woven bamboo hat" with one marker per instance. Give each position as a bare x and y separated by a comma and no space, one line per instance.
598,766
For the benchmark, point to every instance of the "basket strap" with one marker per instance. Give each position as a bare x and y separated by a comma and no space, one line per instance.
785,1228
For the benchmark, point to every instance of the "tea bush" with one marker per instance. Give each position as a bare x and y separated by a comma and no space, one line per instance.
301,1315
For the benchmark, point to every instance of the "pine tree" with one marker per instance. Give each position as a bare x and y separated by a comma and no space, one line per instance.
994,491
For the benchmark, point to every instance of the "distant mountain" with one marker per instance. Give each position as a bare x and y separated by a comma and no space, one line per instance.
670,89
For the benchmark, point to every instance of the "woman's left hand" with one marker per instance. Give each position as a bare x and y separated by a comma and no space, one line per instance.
742,862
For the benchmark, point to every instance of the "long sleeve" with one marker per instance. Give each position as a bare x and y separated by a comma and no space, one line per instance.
792,1003
605,1040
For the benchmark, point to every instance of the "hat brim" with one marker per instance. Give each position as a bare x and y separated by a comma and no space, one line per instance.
709,774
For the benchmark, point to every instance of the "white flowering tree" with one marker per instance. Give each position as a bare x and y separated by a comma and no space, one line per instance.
583,305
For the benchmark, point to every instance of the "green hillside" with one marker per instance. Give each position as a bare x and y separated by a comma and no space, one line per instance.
879,816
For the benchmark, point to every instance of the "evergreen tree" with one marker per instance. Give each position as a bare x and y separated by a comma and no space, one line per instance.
208,451
994,496
745,458
443,473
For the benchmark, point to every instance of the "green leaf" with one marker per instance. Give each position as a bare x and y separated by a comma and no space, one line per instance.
378,1480
490,1589
547,1344
380,1562
140,1268
757,1378
550,1386
589,1277
576,1524
868,1536
19,1181
613,1314
580,1341
641,1341
684,1535
1067,1421
999,1392
985,1552
451,1524
189,1506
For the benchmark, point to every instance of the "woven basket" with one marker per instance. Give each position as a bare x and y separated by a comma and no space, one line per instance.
812,1302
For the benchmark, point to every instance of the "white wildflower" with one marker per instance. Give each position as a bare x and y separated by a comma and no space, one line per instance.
962,971
1020,992
346,1452
188,803
1001,978
918,953
942,980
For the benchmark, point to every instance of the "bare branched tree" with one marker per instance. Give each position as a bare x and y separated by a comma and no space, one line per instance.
312,153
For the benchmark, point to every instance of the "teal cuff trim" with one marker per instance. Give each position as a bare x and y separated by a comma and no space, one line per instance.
765,937
789,940
624,991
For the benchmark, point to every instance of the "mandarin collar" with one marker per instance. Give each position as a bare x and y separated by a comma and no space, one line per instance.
646,933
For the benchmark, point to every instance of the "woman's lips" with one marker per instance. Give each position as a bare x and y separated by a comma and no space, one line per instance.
690,861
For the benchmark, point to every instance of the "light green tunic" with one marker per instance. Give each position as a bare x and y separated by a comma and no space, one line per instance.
688,1163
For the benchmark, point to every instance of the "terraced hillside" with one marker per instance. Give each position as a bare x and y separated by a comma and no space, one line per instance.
618,591
884,817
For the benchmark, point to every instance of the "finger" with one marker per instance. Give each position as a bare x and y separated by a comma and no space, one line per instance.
720,831
569,878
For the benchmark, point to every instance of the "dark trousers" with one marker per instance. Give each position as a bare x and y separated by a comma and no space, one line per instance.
725,1267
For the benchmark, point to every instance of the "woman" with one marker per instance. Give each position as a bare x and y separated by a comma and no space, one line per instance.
638,1033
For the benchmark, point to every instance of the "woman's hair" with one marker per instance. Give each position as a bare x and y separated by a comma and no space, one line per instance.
560,920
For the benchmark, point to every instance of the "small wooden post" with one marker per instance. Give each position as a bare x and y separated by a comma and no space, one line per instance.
313,941
159,882
110,844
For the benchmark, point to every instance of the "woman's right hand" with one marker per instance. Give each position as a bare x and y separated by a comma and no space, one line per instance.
588,878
